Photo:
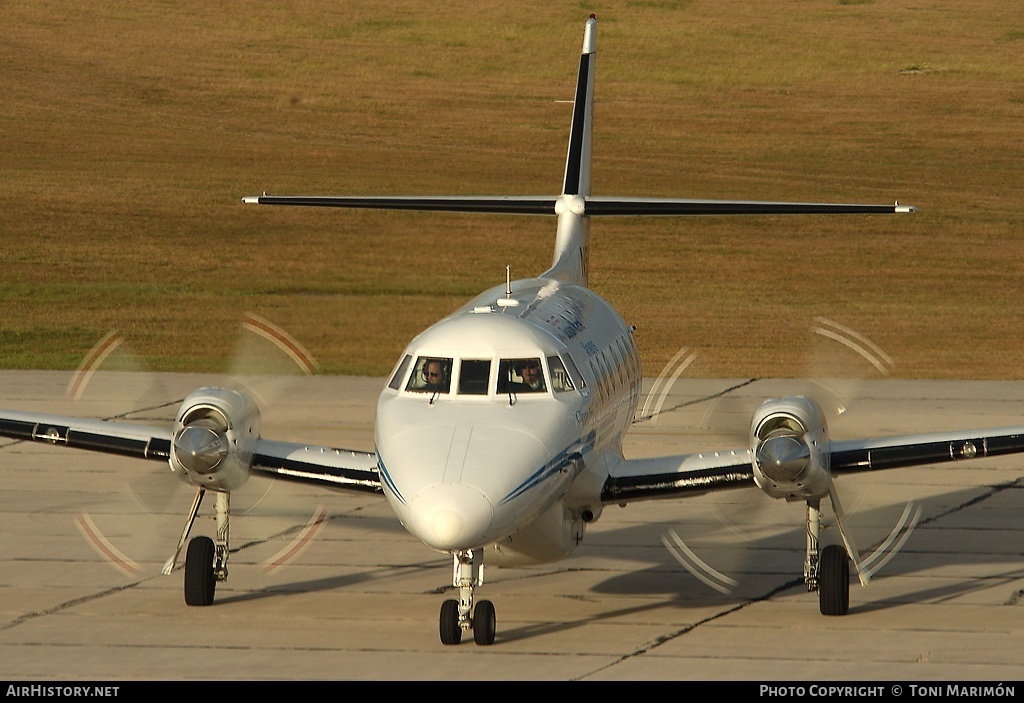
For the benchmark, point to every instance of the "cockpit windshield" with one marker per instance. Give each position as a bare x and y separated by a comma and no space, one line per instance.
431,375
561,381
475,377
521,376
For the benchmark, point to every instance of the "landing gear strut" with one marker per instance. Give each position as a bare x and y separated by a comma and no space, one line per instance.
458,616
828,573
206,561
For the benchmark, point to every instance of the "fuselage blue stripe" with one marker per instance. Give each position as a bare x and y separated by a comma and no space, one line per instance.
553,467
388,481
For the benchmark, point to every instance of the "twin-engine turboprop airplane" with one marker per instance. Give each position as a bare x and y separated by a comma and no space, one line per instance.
499,433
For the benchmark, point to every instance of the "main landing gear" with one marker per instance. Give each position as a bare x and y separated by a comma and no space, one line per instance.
458,616
829,572
206,561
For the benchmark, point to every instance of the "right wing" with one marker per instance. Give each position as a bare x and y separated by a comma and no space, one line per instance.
122,438
340,469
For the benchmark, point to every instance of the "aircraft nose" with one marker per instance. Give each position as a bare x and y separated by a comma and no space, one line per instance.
450,516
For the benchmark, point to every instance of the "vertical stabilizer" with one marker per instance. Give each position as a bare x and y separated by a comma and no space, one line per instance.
577,162
570,260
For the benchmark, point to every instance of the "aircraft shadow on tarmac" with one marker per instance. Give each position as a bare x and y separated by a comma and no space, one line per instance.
956,529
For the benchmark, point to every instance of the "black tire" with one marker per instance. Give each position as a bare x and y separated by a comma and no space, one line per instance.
834,581
451,633
200,582
484,622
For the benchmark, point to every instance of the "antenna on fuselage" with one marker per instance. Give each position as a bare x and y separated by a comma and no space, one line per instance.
508,301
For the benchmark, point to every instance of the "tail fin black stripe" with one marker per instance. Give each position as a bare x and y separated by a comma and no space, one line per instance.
573,165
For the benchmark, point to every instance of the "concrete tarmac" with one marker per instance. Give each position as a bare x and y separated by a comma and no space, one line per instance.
84,537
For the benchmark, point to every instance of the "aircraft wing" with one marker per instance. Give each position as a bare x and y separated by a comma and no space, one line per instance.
676,475
123,438
334,468
682,474
918,450
342,469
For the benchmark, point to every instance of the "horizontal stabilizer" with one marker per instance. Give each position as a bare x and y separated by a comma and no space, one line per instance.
594,206
510,205
598,206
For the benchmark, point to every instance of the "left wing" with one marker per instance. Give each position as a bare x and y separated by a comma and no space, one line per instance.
674,476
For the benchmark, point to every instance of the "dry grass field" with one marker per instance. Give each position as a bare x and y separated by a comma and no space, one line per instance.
129,131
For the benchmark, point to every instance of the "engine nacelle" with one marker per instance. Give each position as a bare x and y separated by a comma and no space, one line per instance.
215,434
789,449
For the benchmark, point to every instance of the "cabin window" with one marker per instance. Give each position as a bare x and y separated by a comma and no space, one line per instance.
599,374
560,379
521,376
473,376
431,375
396,379
623,354
634,358
615,364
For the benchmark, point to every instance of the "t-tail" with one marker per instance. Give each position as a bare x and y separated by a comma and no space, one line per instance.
575,205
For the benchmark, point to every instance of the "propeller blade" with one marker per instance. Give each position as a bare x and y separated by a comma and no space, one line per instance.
695,565
851,548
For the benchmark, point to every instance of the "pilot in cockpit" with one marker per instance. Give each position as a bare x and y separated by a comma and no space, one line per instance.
434,376
530,375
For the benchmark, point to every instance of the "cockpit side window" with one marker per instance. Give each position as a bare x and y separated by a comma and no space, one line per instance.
560,380
431,375
473,376
396,379
521,376
574,372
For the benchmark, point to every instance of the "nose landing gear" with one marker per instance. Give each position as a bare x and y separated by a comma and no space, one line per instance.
459,616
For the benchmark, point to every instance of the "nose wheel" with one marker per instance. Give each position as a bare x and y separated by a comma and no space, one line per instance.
483,623
459,616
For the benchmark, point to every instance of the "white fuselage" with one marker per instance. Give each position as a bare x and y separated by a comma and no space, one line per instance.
485,460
